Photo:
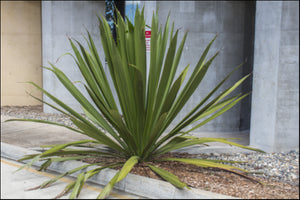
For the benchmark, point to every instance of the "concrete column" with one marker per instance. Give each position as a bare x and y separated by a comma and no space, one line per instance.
275,100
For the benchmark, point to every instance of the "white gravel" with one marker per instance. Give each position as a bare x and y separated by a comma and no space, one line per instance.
280,166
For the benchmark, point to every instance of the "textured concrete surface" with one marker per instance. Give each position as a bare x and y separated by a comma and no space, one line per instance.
59,20
275,102
15,185
202,19
21,56
31,134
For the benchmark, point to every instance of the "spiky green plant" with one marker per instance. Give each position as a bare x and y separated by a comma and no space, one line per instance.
149,102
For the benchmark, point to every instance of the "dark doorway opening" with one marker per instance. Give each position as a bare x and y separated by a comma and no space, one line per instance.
120,5
110,13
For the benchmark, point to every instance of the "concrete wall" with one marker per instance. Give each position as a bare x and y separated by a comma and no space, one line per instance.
275,102
20,52
59,19
203,20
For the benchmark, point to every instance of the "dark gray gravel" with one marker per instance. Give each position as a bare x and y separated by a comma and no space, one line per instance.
280,166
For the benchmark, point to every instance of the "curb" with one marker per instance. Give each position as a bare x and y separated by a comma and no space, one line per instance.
134,184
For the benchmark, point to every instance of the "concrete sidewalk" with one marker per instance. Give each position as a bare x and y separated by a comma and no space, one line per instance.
16,185
22,138
32,135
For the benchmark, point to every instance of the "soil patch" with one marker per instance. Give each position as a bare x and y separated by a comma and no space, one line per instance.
216,180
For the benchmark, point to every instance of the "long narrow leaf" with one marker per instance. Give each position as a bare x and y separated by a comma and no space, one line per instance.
218,113
168,177
108,188
127,167
120,175
185,142
204,163
77,186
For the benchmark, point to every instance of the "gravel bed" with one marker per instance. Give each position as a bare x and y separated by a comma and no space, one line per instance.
35,112
281,166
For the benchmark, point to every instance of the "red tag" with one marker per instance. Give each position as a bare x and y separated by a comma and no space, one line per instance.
148,34
148,38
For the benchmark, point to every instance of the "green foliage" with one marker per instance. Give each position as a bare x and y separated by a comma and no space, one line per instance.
149,102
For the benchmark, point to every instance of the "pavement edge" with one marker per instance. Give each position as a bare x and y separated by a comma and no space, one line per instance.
134,184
